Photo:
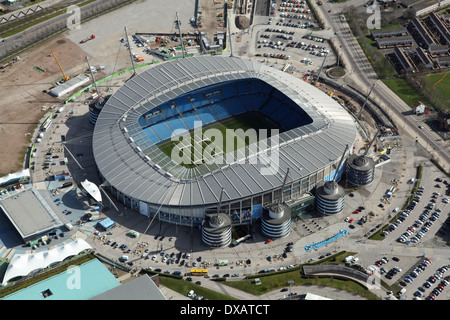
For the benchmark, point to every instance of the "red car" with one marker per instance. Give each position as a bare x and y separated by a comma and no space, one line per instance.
356,211
268,240
329,10
350,221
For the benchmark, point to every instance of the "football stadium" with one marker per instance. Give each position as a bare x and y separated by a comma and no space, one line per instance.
191,137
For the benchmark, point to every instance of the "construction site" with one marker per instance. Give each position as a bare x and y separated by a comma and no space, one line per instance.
32,77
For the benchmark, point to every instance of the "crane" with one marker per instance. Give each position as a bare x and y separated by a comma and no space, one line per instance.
65,78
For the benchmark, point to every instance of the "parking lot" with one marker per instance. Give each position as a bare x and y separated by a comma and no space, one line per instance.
291,34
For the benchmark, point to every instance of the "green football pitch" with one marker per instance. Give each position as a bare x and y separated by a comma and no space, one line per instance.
199,146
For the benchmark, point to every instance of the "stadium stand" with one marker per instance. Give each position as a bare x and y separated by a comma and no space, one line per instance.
219,102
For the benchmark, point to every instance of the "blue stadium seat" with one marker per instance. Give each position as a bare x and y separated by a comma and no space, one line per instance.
176,123
235,105
281,113
205,115
228,90
257,86
243,87
247,102
258,99
189,118
183,104
270,106
153,119
162,130
198,99
151,135
169,111
220,110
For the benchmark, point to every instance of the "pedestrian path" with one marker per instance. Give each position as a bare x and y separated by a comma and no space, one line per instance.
341,233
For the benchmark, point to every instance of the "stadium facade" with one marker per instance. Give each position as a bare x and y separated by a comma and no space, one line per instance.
142,114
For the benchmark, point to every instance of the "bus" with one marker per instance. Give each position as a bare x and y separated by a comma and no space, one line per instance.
199,272
46,124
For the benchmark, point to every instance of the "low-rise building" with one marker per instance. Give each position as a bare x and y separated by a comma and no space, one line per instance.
394,32
443,119
404,59
394,42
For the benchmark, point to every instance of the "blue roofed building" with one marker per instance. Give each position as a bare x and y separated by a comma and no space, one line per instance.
81,282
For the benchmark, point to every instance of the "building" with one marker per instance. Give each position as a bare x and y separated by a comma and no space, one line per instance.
420,32
443,120
140,288
439,27
276,221
404,60
394,32
389,42
360,170
424,58
30,214
216,230
146,111
438,50
106,224
22,265
442,62
68,86
330,198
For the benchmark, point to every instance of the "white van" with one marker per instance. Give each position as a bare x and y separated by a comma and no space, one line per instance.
123,258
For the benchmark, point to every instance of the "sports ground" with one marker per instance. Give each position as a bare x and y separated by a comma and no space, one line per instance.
441,85
226,130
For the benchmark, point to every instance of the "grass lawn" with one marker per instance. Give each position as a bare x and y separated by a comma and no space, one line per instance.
441,83
280,280
252,120
183,287
405,92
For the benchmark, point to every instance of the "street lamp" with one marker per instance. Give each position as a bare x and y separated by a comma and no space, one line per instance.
290,282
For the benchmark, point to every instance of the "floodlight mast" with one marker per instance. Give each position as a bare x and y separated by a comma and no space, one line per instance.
131,55
181,36
220,202
92,75
284,183
340,163
371,143
365,101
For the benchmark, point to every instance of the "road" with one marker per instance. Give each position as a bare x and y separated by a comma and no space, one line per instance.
362,73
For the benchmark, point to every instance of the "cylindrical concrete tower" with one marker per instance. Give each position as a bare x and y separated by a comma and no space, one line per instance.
216,230
276,221
330,197
360,170
95,108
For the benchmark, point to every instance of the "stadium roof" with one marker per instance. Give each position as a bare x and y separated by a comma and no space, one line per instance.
143,173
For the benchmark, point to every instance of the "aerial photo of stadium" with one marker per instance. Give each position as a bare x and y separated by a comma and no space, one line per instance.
134,129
